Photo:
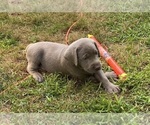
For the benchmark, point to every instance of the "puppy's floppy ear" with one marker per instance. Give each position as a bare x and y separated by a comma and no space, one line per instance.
71,55
97,49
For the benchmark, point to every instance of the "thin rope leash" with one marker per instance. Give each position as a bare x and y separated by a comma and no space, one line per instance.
68,31
14,84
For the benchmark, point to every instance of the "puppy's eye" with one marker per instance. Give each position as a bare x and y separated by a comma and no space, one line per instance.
95,52
85,56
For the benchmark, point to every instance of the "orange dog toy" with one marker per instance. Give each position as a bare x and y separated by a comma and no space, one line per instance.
110,61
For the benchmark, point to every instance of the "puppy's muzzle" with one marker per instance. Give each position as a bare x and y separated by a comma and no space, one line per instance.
96,66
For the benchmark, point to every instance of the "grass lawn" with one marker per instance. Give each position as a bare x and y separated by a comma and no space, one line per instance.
127,36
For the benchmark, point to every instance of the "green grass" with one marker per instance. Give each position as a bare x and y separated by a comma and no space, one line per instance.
125,34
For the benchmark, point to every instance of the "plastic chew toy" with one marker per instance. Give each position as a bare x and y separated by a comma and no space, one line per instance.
110,61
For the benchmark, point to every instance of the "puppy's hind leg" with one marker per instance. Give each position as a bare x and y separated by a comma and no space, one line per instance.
32,68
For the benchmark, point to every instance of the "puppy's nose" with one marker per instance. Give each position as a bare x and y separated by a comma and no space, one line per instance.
97,67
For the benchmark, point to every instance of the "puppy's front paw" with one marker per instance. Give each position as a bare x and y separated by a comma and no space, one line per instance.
111,88
111,74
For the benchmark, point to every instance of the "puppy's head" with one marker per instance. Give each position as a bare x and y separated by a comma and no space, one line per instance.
84,53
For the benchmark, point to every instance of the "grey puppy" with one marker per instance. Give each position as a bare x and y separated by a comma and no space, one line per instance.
80,60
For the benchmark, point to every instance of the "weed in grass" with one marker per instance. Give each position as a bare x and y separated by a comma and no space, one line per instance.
6,41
